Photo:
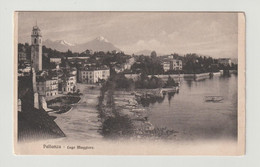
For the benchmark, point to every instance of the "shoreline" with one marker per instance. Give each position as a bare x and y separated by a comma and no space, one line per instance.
130,110
174,76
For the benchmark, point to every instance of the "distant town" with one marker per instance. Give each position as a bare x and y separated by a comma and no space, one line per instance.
50,80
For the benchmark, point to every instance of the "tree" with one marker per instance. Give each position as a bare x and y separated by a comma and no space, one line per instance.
68,53
170,82
153,54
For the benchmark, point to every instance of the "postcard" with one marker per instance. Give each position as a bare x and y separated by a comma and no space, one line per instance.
129,83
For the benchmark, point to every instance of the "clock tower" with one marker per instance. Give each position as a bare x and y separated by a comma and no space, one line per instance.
36,49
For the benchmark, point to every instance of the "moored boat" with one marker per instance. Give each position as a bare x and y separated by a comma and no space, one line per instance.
213,98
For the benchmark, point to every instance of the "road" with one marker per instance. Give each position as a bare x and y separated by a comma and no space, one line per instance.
81,123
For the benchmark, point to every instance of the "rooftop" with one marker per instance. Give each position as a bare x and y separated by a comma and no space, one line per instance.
94,68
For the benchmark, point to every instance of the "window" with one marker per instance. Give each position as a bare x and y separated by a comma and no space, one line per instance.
47,94
35,40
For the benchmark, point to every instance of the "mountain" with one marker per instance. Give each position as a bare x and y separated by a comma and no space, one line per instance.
98,44
60,45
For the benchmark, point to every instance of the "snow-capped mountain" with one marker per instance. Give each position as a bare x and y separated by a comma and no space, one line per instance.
60,45
102,39
98,44
63,42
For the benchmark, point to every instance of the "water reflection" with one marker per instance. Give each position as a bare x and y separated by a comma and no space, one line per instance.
170,96
146,101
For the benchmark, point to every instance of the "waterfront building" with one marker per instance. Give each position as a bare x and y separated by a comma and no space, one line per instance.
171,64
68,84
47,85
225,61
36,49
93,75
166,66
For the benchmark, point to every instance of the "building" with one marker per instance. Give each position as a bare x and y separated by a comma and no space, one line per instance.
225,61
125,66
166,66
47,86
171,64
129,63
119,68
36,49
68,84
67,80
55,60
93,75
22,57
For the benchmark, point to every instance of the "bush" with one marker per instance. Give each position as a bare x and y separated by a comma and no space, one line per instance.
170,82
149,83
118,126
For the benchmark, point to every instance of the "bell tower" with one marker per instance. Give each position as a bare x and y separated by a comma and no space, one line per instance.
36,49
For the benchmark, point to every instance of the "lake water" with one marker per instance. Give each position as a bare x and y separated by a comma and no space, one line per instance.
193,118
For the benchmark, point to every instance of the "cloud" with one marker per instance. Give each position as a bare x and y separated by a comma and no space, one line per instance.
173,35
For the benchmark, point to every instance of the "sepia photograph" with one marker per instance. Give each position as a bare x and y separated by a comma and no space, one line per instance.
129,83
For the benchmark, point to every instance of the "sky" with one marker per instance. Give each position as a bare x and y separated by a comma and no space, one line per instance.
209,34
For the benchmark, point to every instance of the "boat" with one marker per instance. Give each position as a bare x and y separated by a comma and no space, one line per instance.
213,98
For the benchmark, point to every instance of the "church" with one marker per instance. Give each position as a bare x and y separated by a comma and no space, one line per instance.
36,49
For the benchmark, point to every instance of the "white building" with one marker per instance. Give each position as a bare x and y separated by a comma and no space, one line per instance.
129,63
55,60
47,86
69,84
166,66
93,75
171,64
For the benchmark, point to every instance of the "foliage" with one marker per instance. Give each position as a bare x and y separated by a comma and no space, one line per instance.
119,126
153,54
144,82
118,81
170,82
194,64
148,65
